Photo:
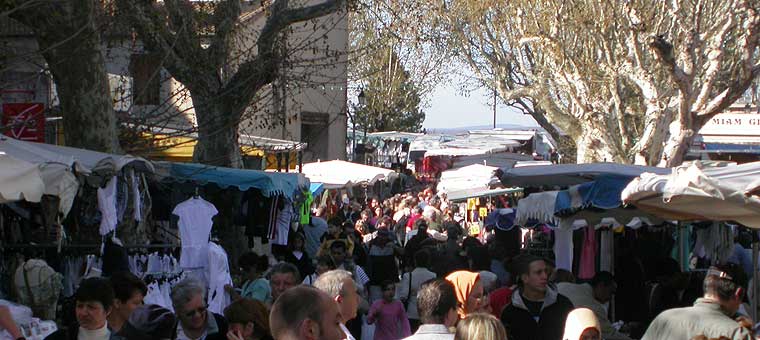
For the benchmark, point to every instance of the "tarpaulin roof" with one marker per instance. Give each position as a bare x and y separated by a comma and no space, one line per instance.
697,192
602,193
462,195
57,164
563,175
316,188
269,183
338,174
19,180
468,177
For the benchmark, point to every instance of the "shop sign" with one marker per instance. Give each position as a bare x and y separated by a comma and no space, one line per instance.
24,121
737,124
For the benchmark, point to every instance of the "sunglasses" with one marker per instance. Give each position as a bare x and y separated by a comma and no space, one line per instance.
199,311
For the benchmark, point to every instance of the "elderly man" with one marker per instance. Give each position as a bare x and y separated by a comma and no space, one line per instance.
282,277
195,321
340,286
305,313
712,316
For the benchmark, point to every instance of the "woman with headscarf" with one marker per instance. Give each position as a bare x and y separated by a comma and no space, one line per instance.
582,324
471,297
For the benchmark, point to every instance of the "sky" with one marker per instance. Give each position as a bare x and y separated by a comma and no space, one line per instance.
450,109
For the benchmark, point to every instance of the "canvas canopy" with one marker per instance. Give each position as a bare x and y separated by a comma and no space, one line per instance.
58,164
564,175
269,183
476,176
19,180
339,174
697,192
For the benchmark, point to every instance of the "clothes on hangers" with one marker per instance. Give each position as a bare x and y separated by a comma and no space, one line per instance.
281,228
587,266
38,287
219,276
107,207
563,248
195,222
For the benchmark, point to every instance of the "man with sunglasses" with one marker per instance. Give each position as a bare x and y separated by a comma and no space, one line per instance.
713,316
195,321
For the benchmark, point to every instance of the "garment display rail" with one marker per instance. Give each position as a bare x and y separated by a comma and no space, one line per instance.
87,246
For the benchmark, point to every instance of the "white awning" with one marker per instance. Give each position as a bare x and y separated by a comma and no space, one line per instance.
338,174
696,192
19,180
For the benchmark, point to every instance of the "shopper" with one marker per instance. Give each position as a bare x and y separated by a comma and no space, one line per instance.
339,285
710,315
248,320
255,287
129,292
94,301
538,311
479,326
437,308
470,295
195,321
305,313
150,322
388,315
410,285
282,277
582,324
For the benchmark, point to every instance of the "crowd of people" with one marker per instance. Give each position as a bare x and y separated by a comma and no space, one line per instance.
403,268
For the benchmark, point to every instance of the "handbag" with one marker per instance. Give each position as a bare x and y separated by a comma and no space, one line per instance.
408,293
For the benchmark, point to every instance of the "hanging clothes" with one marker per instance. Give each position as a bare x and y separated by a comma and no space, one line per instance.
305,211
107,207
136,198
195,222
154,295
219,276
281,228
587,267
563,248
605,253
38,287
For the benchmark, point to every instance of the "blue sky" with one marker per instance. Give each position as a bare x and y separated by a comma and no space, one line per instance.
449,108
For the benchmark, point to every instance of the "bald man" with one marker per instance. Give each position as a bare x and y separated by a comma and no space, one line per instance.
305,313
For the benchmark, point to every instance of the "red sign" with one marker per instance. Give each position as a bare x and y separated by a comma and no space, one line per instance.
24,121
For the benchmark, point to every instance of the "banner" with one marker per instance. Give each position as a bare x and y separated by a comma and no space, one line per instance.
24,121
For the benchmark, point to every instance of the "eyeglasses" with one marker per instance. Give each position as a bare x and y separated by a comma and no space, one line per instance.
199,311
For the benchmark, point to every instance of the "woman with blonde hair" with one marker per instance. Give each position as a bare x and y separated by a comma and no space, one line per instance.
582,324
480,326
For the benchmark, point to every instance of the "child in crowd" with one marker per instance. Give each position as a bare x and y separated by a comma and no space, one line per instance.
389,315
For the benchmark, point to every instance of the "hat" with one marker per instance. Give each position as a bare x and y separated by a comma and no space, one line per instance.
150,322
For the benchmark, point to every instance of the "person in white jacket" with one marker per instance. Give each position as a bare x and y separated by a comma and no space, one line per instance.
407,289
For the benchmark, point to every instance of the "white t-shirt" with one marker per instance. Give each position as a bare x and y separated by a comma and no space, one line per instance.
107,207
195,222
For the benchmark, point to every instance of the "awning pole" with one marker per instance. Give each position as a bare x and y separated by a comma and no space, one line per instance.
755,253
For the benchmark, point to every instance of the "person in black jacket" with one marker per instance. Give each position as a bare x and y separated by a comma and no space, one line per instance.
537,311
195,321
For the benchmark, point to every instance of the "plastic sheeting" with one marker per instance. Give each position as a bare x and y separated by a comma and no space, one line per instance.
696,192
469,177
602,193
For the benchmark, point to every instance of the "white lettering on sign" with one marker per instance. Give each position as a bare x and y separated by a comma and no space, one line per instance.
727,124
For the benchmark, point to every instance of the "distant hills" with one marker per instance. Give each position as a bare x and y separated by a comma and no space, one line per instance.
458,130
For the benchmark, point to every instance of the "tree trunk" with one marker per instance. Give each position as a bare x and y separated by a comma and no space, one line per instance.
217,133
72,48
681,139
592,147
649,149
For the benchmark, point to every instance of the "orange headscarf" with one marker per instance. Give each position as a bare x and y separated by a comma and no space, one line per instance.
463,282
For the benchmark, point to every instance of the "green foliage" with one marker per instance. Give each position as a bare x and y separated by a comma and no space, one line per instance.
393,99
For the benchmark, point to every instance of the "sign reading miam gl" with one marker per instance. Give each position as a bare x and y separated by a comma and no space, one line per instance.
737,124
